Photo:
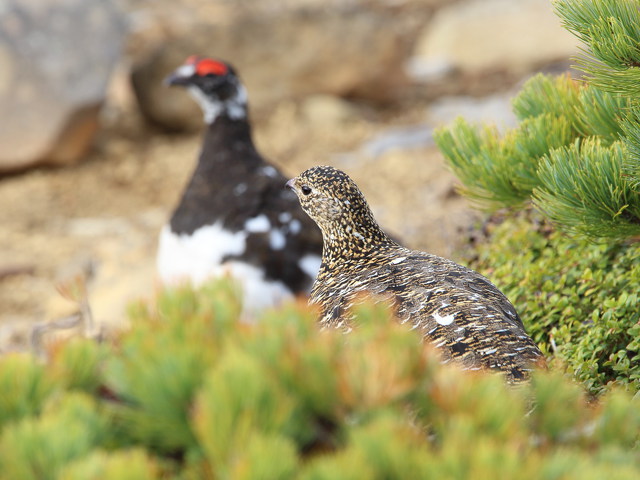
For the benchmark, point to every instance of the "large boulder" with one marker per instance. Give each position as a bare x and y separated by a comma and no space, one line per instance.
491,39
55,60
356,50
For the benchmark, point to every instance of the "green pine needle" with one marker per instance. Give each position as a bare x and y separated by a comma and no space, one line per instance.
24,387
630,125
36,448
238,402
584,190
594,195
610,32
610,26
497,173
133,464
601,113
621,80
283,399
543,94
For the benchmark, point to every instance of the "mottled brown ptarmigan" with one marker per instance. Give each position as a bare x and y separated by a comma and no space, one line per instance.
458,310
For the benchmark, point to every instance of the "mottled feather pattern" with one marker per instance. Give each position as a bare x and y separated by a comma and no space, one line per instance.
455,308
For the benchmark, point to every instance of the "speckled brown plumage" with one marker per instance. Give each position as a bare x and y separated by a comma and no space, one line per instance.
455,308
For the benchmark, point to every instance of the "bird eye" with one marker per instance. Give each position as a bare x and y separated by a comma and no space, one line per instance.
306,189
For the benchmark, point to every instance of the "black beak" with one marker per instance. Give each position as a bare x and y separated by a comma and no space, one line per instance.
177,79
290,183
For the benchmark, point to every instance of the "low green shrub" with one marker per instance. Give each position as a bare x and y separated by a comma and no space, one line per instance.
190,392
69,427
131,464
24,386
579,300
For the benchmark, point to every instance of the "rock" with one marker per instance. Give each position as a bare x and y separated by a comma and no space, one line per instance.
55,60
492,109
357,50
399,138
481,37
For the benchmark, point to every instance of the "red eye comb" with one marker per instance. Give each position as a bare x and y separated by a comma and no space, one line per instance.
207,66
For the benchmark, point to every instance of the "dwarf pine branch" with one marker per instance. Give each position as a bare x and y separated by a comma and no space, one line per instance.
575,154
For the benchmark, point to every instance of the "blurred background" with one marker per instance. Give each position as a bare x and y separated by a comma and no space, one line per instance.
95,150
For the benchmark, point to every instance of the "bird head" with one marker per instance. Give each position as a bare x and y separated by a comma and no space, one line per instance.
214,85
333,200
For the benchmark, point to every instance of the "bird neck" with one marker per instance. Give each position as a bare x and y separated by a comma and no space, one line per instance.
227,152
227,158
226,133
233,107
351,242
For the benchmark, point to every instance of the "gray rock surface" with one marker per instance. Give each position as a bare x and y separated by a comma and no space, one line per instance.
494,109
55,60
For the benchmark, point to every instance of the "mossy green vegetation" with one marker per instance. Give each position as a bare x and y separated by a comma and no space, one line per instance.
579,299
190,392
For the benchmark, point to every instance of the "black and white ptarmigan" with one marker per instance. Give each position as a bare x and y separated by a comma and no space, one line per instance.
235,217
455,308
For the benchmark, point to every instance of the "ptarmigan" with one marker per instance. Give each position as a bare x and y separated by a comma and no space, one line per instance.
455,308
234,217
